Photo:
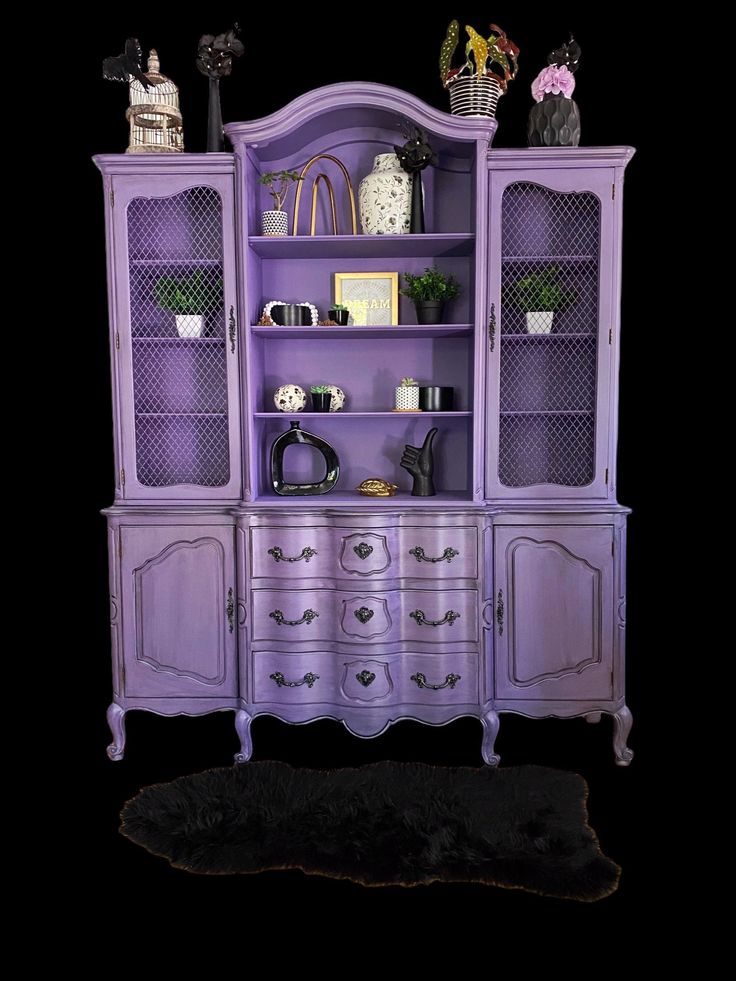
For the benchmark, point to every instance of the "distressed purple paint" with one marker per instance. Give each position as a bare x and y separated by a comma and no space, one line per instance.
506,591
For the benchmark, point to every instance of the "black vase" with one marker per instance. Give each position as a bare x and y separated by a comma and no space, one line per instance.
321,401
291,315
295,436
436,398
339,316
555,121
429,311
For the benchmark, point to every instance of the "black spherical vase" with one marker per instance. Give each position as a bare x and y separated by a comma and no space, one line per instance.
555,121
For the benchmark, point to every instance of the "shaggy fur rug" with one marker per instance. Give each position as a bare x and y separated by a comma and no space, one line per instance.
385,824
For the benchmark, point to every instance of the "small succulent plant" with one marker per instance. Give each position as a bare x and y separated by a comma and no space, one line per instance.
319,389
339,306
278,183
409,383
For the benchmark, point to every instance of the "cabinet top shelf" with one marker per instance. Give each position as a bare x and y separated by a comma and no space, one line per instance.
362,246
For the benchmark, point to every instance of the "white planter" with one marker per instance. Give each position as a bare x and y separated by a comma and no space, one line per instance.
471,96
338,398
274,223
407,398
384,198
539,321
189,324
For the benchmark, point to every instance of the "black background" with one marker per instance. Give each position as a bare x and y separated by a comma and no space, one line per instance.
288,53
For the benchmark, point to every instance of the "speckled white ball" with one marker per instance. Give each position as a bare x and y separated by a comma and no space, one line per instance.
290,398
338,398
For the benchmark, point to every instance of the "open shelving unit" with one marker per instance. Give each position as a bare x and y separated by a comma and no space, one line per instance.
365,362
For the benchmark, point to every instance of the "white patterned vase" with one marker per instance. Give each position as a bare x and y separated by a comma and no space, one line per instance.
385,198
290,398
338,398
275,223
407,398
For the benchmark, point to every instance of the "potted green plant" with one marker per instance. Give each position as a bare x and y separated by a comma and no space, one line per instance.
407,395
540,296
476,86
190,298
277,182
429,292
339,313
321,397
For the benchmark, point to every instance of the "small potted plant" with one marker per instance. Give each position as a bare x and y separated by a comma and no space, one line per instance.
321,398
540,296
277,182
407,396
339,313
189,298
476,86
429,292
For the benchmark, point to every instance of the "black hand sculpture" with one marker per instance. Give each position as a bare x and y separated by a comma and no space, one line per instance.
420,464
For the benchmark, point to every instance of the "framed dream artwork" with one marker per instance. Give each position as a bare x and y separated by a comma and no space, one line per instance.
371,297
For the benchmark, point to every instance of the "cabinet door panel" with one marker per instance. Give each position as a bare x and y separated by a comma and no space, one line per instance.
178,611
175,304
550,269
554,612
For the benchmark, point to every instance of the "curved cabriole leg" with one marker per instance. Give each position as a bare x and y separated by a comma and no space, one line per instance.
593,717
622,722
116,721
491,723
242,727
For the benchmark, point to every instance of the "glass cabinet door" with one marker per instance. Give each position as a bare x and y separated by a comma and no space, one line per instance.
550,260
177,337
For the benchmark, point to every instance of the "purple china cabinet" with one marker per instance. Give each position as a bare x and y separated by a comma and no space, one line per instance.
504,592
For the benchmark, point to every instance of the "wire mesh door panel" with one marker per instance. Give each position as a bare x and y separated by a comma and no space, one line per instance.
179,270
549,389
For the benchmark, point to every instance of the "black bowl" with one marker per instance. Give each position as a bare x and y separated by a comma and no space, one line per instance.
291,315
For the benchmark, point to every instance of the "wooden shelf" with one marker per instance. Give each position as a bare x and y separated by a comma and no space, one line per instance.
362,246
168,339
340,498
547,337
319,416
547,412
401,330
171,261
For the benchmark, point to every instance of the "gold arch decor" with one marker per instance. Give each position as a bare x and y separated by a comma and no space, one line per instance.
330,192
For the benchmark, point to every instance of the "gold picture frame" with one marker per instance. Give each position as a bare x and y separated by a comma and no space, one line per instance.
371,297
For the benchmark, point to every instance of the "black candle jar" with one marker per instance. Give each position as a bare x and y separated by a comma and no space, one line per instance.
436,398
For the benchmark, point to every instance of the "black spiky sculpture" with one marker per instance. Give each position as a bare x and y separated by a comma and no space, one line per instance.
215,55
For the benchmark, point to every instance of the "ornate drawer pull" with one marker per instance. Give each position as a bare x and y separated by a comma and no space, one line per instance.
363,614
418,615
363,550
450,681
307,617
447,555
492,327
309,679
366,678
278,556
499,612
230,610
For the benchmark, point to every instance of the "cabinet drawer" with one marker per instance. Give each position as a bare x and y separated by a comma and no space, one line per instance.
312,553
430,616
410,679
439,553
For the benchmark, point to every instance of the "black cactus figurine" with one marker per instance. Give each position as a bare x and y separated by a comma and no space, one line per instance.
215,60
420,464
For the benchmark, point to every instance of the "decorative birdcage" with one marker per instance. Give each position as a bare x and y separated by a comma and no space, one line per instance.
154,116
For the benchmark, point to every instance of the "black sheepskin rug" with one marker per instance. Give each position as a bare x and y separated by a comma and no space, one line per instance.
389,823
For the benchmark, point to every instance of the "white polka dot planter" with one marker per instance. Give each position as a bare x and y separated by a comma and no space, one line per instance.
274,223
407,398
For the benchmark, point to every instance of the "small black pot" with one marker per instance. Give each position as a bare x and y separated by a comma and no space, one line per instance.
429,311
339,316
321,401
291,315
436,398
